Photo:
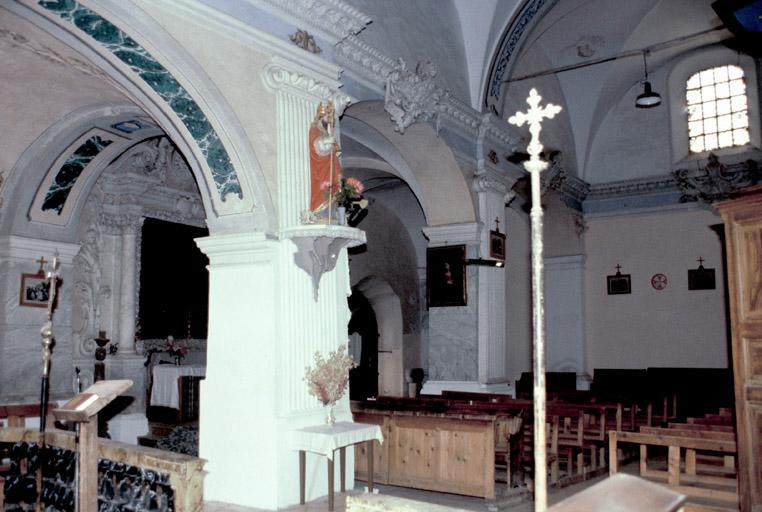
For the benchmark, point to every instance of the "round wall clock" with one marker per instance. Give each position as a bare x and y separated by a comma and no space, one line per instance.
659,281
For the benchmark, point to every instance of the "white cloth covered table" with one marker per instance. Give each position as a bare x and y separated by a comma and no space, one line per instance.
165,388
325,439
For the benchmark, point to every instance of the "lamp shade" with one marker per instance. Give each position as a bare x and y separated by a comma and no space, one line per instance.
648,98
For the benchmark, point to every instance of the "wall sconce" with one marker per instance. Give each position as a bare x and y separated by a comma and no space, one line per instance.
484,263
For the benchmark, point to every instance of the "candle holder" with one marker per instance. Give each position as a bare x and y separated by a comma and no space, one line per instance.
100,356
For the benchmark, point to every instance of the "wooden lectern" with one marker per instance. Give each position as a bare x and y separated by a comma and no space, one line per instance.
83,409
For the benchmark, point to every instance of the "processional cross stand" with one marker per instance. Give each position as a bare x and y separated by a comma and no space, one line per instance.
47,343
534,117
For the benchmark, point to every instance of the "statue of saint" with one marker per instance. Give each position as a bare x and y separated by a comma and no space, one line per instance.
325,169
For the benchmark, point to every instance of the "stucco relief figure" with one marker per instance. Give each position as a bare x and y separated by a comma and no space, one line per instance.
89,291
325,169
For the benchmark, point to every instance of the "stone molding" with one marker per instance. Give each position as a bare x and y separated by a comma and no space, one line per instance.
641,186
374,68
335,18
281,75
465,233
238,249
22,249
488,182
558,179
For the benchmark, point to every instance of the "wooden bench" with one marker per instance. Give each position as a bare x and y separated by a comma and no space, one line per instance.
691,482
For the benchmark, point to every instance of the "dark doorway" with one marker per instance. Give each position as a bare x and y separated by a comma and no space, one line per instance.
174,282
363,380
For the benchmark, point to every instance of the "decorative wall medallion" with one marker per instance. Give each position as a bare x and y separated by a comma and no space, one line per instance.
659,281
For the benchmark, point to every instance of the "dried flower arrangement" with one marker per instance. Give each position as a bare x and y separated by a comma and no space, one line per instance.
328,380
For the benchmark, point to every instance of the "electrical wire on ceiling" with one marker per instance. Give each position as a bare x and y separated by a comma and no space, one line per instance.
629,53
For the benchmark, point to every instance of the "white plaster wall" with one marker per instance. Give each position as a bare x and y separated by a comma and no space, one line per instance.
518,294
26,80
564,314
673,327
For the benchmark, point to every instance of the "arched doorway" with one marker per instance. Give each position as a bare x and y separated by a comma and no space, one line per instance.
363,347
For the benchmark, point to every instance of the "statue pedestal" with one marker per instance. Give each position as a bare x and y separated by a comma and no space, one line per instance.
318,247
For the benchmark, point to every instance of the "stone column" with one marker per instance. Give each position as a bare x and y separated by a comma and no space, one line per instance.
127,296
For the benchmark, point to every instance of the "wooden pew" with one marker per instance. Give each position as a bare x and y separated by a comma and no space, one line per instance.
711,487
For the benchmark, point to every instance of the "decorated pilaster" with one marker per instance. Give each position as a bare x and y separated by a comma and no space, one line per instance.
302,269
127,300
491,192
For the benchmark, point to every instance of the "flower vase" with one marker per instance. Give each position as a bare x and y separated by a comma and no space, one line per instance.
177,360
330,419
341,216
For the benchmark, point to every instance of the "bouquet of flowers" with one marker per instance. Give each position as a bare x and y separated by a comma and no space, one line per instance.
176,349
328,379
350,190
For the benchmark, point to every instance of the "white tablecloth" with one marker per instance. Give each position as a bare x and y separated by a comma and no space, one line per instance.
165,389
324,439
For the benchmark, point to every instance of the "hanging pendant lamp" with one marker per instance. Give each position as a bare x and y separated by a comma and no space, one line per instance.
648,98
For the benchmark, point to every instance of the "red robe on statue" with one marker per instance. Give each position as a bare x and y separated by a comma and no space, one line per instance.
325,169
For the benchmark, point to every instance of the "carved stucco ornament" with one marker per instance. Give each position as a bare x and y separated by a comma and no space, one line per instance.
413,96
305,41
715,180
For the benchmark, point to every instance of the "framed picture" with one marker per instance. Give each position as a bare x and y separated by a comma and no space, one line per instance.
618,284
34,290
497,245
701,279
446,276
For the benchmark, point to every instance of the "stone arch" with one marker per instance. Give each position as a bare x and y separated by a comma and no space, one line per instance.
388,310
216,155
420,157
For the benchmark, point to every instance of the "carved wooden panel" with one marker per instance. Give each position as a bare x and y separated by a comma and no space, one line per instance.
750,260
443,455
743,229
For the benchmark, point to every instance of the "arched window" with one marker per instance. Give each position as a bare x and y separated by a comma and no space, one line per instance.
717,107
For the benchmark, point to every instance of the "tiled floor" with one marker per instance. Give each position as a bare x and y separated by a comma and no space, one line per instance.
449,500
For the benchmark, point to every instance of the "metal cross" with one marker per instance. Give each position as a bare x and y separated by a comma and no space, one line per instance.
497,224
701,261
42,262
618,268
533,117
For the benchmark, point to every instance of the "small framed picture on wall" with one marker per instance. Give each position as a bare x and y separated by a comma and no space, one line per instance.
618,284
34,290
446,276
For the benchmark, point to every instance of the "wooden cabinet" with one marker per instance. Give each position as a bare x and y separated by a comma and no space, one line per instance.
743,234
